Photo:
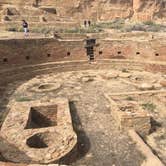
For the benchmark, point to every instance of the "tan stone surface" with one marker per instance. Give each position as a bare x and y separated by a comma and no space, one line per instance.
39,131
163,83
111,75
125,75
148,9
146,86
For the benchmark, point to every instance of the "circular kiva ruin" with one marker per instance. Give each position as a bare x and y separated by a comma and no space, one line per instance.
59,108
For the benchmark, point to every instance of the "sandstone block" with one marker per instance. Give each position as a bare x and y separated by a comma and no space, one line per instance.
163,83
146,86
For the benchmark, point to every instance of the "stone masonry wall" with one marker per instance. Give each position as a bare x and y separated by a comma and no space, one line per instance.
35,51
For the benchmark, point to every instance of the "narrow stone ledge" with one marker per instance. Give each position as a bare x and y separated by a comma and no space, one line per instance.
151,159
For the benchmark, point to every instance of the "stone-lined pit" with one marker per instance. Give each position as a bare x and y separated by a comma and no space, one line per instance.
43,116
41,140
38,141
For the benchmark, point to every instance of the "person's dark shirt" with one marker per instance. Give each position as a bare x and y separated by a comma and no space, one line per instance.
85,22
89,22
25,24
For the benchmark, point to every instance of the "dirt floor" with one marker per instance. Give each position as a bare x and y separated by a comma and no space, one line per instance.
100,142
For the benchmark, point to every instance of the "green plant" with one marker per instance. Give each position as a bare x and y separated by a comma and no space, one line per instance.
125,70
149,106
115,24
149,23
155,28
44,30
14,29
148,26
129,98
22,99
80,30
11,29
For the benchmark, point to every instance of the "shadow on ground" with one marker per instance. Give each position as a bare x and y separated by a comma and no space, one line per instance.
14,151
83,143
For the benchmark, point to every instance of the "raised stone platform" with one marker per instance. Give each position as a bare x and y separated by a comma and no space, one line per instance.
38,132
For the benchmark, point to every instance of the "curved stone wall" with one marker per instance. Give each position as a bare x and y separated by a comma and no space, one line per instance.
24,59
35,51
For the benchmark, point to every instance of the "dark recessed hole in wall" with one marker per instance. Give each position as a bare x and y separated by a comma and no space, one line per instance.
119,52
137,53
100,52
41,117
68,53
5,60
27,57
48,55
156,54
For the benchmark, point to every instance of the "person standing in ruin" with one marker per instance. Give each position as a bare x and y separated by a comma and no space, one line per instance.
89,23
85,23
25,27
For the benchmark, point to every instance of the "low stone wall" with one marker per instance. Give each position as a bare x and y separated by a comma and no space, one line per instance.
25,72
129,115
35,51
151,159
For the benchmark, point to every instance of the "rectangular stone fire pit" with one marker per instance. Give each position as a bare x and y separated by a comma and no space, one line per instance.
38,132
